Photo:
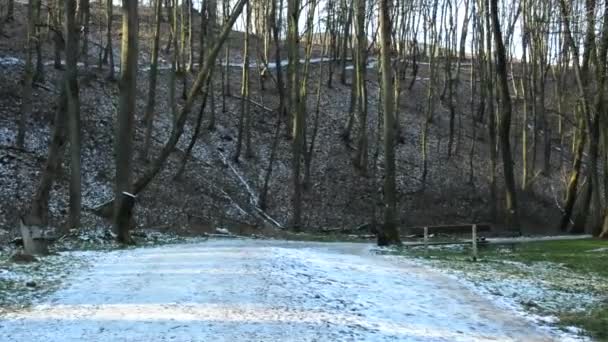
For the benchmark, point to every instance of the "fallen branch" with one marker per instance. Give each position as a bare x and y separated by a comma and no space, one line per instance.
253,198
257,104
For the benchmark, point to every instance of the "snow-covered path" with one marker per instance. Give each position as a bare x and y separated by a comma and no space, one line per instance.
247,290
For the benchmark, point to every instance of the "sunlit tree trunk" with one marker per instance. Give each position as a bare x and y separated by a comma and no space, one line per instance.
361,156
126,110
295,108
244,105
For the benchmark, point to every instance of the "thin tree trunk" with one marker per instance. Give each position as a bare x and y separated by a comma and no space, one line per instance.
57,35
28,76
109,50
244,105
84,19
150,104
190,37
346,39
275,25
296,108
38,213
39,74
197,130
361,157
73,106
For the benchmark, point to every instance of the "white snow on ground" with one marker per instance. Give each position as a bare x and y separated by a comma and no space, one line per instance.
9,61
244,290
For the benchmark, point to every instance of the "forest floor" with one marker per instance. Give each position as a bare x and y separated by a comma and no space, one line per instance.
267,290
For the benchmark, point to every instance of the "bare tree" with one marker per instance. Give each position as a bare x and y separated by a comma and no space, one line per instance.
28,76
124,132
150,104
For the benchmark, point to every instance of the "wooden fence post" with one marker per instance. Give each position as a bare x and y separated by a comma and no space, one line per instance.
426,240
474,241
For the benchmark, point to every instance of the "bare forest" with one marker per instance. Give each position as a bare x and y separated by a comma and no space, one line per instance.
419,136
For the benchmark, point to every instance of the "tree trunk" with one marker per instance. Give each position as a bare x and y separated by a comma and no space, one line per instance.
244,105
197,130
28,76
125,126
361,157
39,74
190,37
38,213
295,107
83,20
276,22
504,124
582,80
346,38
73,106
389,234
109,50
57,36
150,104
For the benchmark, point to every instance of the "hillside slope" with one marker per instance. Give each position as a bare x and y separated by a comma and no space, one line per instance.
216,192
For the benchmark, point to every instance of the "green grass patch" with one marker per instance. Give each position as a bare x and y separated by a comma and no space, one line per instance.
582,256
568,271
594,321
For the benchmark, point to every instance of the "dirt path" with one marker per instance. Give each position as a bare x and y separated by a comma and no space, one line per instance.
262,291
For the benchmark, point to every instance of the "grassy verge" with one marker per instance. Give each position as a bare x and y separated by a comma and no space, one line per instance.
22,284
567,279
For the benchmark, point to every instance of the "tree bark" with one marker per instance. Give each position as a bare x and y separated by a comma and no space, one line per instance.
73,106
109,49
84,17
389,234
125,125
150,104
28,76
295,107
504,124
361,157
38,213
582,81
244,105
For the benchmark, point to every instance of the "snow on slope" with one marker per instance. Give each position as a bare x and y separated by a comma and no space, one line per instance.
264,291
